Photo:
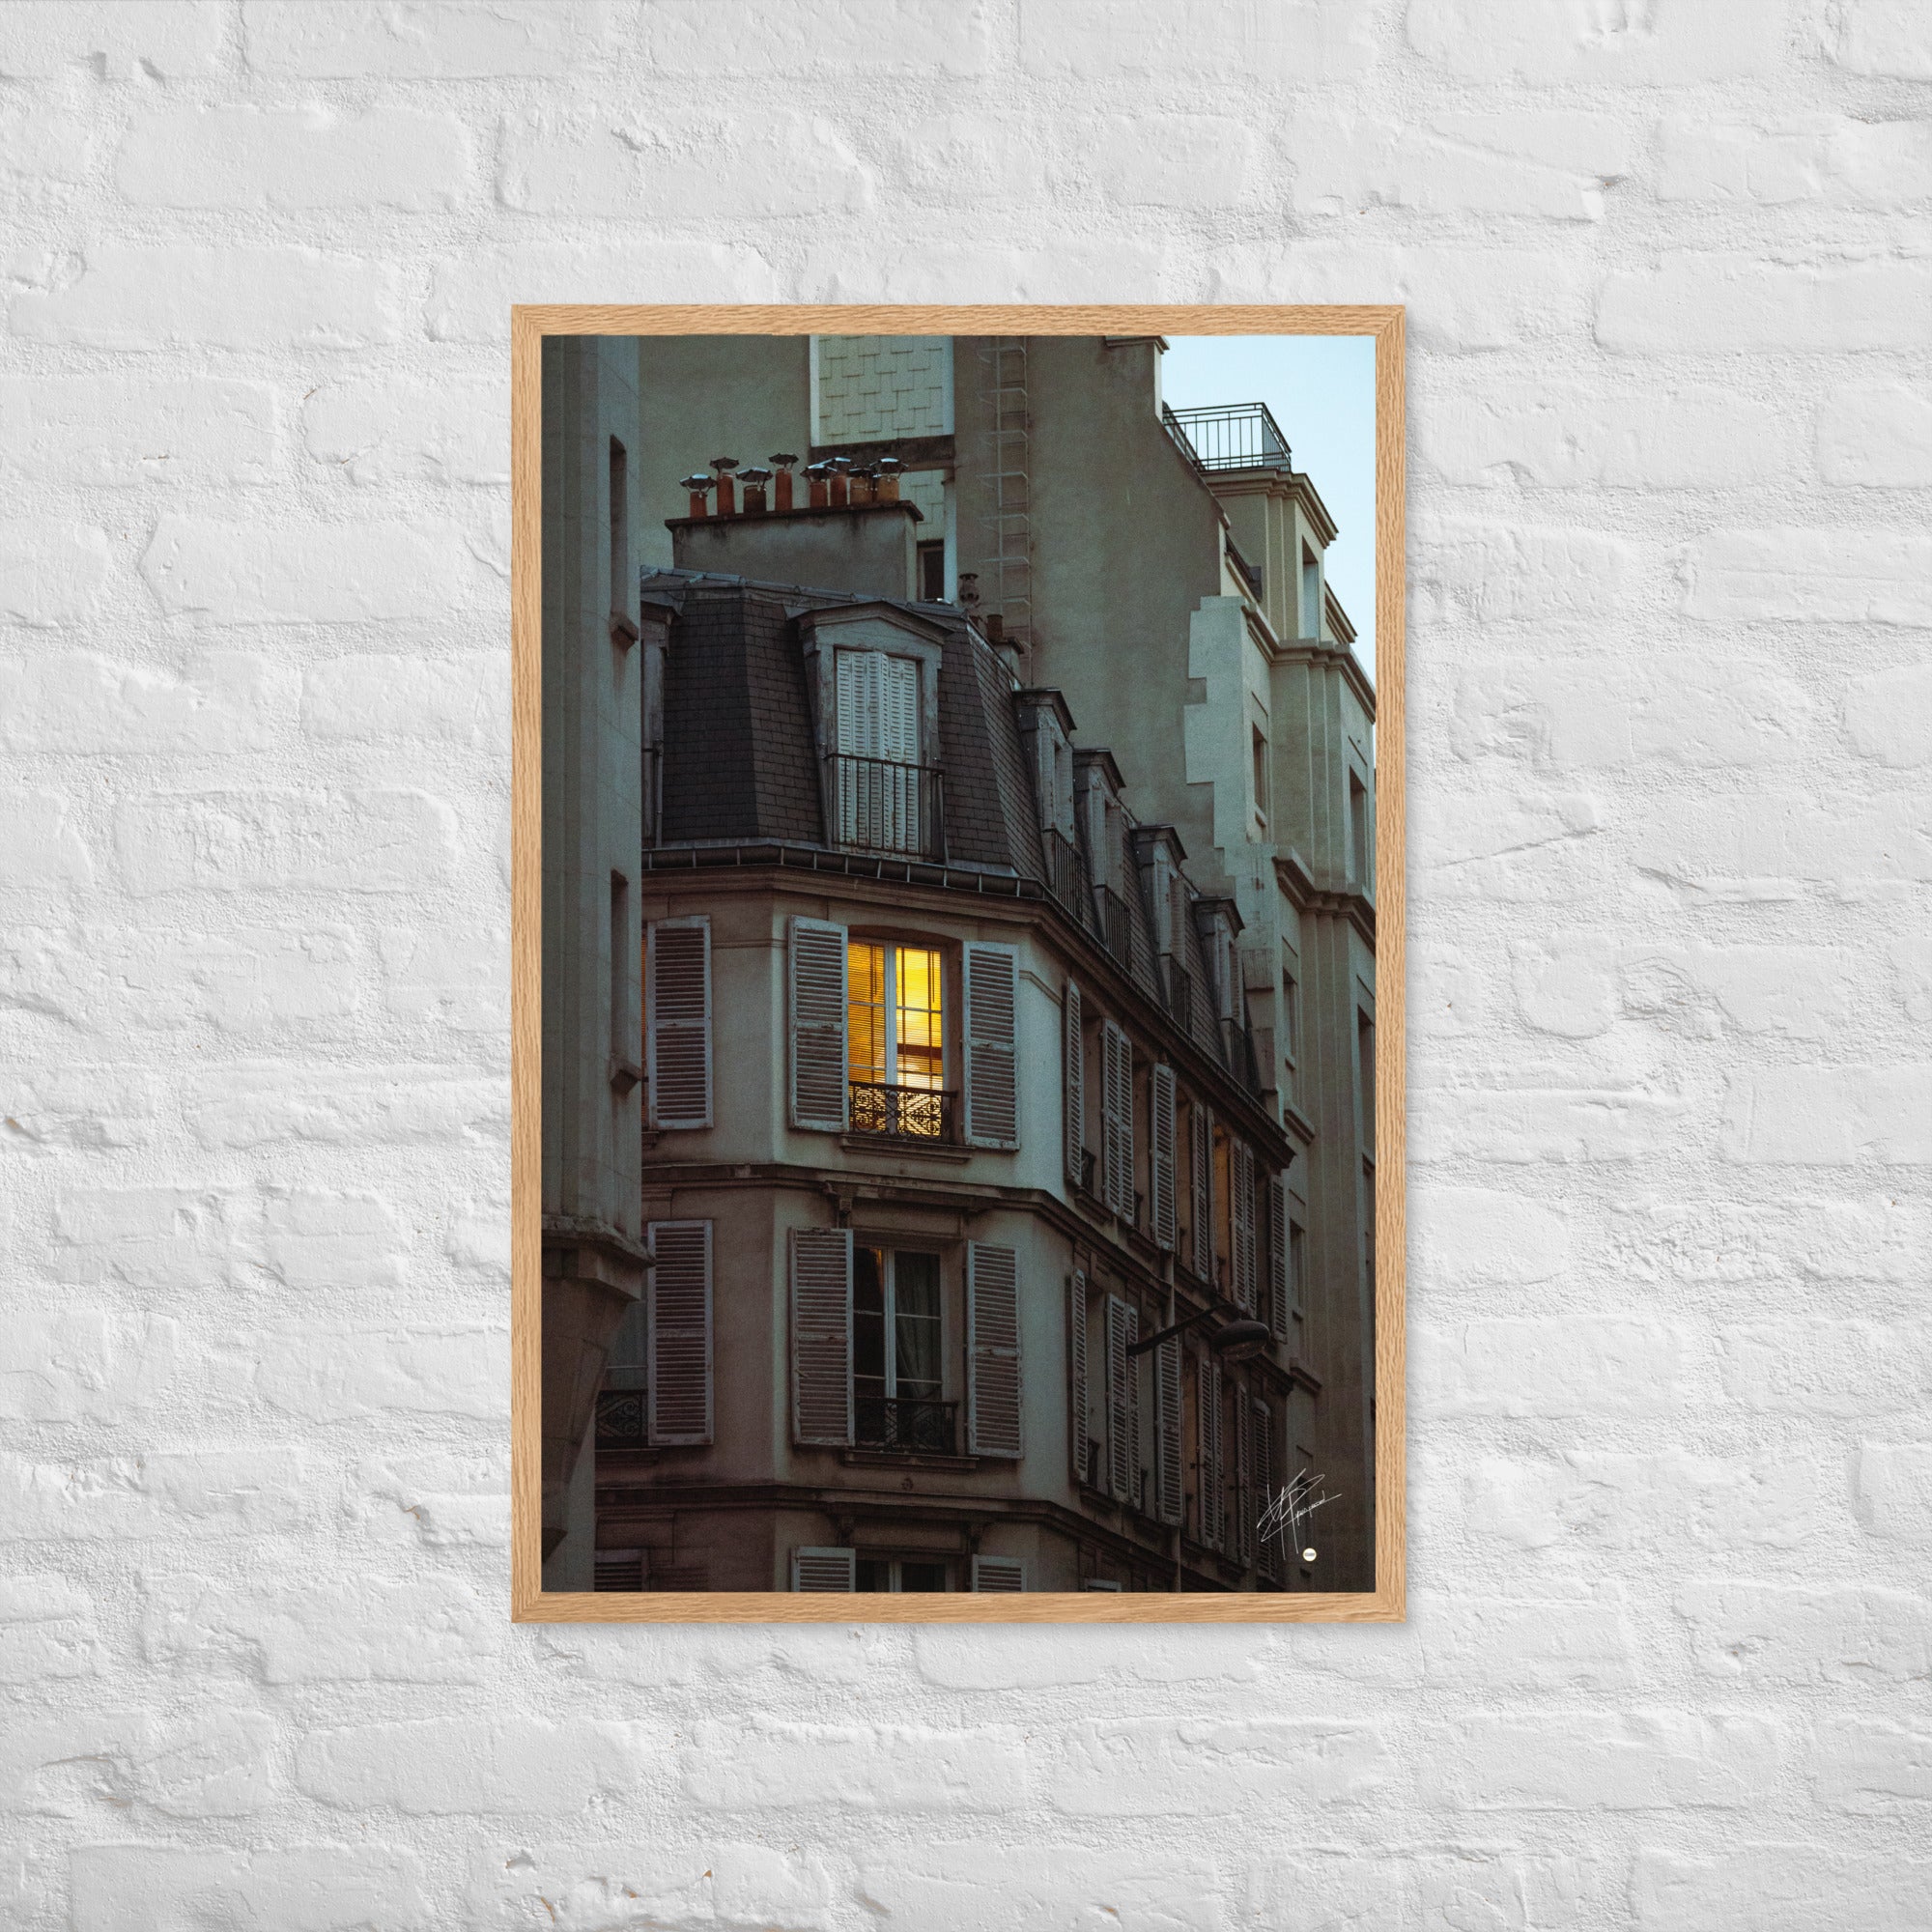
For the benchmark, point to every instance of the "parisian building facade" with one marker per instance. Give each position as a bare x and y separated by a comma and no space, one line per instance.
1006,909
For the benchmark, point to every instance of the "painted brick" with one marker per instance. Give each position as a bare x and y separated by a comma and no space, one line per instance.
765,1764
131,295
76,701
1203,161
1570,1643
705,1883
264,1103
1867,1764
1778,848
455,979
1204,1768
316,574
373,701
387,429
1895,1488
1848,163
1544,165
1875,1111
343,1372
1473,1236
1299,41
1788,1633
153,1236
1473,572
50,39
423,39
80,1364
1827,1368
219,1492
712,38
1785,1887
1886,38
1672,43
1564,1364
353,1887
112,431
1702,303
515,1766
50,572
241,157
1844,577
439,1499
44,144
1057,1888
1875,433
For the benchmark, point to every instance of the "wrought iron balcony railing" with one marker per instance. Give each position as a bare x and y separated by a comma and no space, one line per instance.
879,805
1232,436
909,1424
620,1418
902,1113
1115,924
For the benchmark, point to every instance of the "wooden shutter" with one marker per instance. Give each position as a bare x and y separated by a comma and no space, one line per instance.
1200,1162
818,993
990,1027
1073,1068
677,1022
1244,1480
1212,1474
861,675
898,710
998,1572
1167,1430
1281,1302
1120,1337
1241,1221
1076,1374
1161,1153
679,1362
993,1351
824,1570
821,1335
1270,1558
1116,1108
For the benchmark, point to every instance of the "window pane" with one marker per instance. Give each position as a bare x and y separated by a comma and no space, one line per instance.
868,1323
916,1327
866,1018
922,1575
874,1573
922,1035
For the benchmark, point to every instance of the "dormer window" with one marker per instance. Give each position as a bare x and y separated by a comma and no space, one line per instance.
886,797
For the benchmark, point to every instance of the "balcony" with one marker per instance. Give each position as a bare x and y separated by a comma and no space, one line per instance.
879,805
903,1112
1233,435
620,1419
1116,925
912,1426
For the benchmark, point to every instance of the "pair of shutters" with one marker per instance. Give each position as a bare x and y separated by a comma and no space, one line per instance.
1124,1455
819,1049
1280,1311
678,1345
1241,1223
1201,1175
833,1568
1269,1559
677,1022
1076,1377
1161,1150
1211,1469
821,1341
1117,1121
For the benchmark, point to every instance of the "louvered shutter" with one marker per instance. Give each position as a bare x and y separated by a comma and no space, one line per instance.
824,1570
679,1365
1074,1060
1200,1162
860,712
1161,1153
998,1572
1244,1481
993,1351
818,993
1076,1374
1270,1558
1167,1428
821,1335
1241,1220
1211,1476
992,1073
1119,1336
1117,1106
898,710
677,1022
1279,1311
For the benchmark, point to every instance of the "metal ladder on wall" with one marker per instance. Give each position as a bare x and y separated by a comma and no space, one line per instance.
1003,396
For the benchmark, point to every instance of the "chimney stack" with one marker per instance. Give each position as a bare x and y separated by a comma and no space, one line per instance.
781,490
697,485
727,496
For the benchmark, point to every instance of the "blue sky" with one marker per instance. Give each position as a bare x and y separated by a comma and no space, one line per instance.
1321,389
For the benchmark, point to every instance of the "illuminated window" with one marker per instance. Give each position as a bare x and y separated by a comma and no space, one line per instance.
897,1035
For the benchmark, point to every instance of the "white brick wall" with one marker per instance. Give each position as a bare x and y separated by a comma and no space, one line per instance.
1671,1500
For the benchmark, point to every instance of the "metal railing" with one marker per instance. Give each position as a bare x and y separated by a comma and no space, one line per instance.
1065,870
1115,924
880,805
1232,436
912,1425
902,1113
620,1417
1181,994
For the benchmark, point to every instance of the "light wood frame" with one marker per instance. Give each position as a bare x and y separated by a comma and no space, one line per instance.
530,1602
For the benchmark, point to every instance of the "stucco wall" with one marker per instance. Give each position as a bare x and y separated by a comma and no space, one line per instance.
1671,1473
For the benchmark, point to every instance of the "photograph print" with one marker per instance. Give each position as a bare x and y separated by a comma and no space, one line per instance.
955,1074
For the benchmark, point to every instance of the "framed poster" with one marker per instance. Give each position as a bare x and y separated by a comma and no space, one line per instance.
959,947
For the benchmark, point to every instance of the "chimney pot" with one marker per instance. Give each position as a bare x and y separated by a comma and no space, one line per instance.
755,481
697,484
888,486
781,489
818,475
840,467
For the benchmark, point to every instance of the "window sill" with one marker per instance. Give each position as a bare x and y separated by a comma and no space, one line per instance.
894,1144
905,1459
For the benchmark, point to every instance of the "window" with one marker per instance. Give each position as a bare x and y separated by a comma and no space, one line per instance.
1291,1037
898,1573
1260,755
1311,594
895,1035
1298,1289
897,1326
1365,1076
882,802
931,566
620,539
625,1072
1360,863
